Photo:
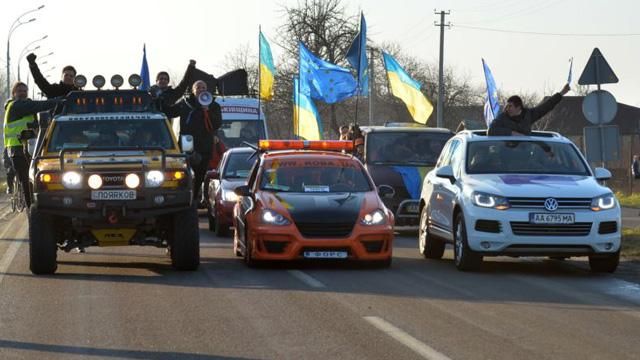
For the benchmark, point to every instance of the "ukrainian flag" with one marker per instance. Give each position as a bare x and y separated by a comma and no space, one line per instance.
407,90
267,70
306,120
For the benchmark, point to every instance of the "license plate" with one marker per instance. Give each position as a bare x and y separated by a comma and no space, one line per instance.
413,208
325,254
542,218
113,195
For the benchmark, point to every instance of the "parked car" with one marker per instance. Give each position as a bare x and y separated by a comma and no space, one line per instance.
518,196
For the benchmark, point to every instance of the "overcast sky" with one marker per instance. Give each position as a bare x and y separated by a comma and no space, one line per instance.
106,37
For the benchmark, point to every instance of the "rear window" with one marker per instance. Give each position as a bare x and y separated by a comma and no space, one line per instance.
110,133
404,148
314,176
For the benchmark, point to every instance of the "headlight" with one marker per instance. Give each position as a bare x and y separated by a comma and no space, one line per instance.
604,202
72,180
154,178
375,218
228,195
273,218
132,181
490,201
95,181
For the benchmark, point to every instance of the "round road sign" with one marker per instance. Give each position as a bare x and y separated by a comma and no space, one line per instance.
607,103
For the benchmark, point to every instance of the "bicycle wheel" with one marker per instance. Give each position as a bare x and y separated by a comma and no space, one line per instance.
19,194
13,198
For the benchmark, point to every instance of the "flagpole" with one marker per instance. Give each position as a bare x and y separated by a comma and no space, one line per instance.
259,73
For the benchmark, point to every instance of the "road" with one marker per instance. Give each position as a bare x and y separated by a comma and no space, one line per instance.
128,303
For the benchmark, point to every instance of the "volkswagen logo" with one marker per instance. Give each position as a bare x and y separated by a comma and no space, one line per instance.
551,204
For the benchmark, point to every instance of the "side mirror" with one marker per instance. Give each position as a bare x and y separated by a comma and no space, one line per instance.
446,172
213,174
186,143
386,191
602,174
242,190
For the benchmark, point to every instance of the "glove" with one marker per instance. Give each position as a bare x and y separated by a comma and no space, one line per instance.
31,58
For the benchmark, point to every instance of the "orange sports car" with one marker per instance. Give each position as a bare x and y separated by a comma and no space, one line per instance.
309,200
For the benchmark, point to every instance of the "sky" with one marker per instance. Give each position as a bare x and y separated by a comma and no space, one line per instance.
106,37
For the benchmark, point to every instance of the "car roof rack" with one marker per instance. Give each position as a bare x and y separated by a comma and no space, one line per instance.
547,134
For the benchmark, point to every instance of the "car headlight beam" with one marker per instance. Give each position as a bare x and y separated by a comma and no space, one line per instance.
604,202
95,181
273,218
132,181
154,178
490,201
376,217
72,180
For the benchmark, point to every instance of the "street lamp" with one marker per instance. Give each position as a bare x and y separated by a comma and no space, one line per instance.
16,24
27,49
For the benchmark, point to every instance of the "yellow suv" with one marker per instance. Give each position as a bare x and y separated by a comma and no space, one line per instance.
108,171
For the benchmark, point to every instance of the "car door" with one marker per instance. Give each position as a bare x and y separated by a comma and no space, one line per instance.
437,208
450,191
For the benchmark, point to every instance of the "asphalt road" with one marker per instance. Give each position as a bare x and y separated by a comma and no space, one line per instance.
117,303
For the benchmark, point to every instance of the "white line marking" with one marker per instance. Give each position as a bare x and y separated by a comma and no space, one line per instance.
407,340
307,279
8,256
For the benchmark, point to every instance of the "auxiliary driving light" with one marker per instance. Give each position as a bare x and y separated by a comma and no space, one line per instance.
117,81
135,80
98,81
95,181
132,181
72,180
80,81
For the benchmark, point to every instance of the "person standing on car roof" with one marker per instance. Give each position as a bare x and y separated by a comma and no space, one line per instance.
165,93
201,122
51,91
19,113
517,120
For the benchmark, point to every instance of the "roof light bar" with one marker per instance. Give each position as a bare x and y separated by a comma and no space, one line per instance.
328,145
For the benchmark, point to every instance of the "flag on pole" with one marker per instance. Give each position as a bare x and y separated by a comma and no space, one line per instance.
570,77
492,103
306,120
322,80
144,71
267,70
407,89
357,57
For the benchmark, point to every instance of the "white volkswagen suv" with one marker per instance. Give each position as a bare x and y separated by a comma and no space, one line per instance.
518,196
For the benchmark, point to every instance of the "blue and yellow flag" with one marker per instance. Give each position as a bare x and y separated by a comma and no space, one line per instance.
407,90
267,70
306,120
323,80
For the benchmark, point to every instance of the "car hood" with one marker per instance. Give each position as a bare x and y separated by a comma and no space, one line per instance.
521,185
321,208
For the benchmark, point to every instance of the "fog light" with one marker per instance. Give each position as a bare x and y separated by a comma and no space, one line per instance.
67,201
159,199
95,181
485,244
132,181
608,246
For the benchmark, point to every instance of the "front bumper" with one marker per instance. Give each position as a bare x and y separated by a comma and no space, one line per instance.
407,213
509,232
286,243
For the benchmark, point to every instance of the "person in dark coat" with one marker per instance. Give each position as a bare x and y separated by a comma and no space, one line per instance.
517,120
635,167
201,122
51,91
165,93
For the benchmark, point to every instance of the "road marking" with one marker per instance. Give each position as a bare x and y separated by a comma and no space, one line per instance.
307,279
405,339
8,256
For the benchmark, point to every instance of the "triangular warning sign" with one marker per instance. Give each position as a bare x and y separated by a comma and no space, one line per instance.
597,71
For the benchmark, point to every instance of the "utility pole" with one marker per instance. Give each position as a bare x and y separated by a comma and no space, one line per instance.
440,109
371,84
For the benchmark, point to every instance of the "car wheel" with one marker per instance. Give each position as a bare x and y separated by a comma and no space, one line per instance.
221,230
602,264
42,244
185,241
429,246
248,249
464,258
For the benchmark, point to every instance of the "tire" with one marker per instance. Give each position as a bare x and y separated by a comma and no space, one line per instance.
42,244
248,257
464,258
185,240
221,230
604,264
212,225
429,246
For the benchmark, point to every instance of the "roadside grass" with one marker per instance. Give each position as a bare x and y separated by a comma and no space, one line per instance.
631,201
631,243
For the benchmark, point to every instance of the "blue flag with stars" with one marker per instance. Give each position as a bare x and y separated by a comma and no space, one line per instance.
492,104
323,80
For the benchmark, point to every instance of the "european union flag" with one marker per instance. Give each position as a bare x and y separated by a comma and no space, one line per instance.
323,80
144,71
492,104
357,57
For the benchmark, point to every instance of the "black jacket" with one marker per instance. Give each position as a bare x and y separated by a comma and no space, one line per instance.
169,96
505,124
49,90
192,121
25,107
635,169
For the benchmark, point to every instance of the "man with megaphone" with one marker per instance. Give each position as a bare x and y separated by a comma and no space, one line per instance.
200,117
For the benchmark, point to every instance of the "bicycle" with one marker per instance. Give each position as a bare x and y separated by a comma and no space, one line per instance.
18,203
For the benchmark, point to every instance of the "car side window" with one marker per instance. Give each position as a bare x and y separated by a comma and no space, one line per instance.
443,154
445,158
456,158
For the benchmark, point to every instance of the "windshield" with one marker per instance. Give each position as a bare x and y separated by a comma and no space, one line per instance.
110,133
400,148
313,176
524,157
234,132
238,165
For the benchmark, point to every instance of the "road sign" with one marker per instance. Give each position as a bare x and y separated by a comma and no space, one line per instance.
597,71
602,143
599,99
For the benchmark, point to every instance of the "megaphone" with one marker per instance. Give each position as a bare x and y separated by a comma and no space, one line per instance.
205,99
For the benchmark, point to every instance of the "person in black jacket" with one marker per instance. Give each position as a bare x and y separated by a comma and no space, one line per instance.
517,120
167,95
52,90
635,167
201,122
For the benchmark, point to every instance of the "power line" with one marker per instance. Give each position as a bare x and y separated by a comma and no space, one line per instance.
544,33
